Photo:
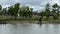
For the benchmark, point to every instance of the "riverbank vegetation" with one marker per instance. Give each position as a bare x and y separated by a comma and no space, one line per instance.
17,12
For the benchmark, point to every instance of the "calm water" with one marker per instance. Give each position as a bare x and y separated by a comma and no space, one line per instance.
29,29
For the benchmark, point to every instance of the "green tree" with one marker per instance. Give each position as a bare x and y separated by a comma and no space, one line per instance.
0,10
16,8
4,11
47,11
30,12
0,7
56,11
26,12
10,11
22,9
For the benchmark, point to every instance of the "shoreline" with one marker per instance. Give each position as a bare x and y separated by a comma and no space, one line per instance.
30,22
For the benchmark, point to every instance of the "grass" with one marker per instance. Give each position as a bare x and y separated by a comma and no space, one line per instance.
49,20
29,19
21,19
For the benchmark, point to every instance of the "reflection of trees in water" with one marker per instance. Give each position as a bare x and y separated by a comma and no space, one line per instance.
55,28
40,25
51,29
47,28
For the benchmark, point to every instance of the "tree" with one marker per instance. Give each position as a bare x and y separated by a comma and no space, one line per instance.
22,10
4,11
10,11
30,12
16,8
26,12
56,11
47,11
0,9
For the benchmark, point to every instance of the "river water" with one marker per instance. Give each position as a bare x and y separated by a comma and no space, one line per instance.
29,29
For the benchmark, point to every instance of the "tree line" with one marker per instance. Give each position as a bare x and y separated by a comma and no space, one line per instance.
13,11
27,12
53,10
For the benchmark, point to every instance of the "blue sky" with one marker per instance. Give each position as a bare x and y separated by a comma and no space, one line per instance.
35,4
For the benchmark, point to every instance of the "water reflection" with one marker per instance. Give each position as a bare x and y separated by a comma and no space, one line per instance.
55,29
29,29
7,28
40,25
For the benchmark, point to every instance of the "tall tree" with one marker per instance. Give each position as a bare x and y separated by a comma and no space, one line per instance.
47,11
0,9
26,12
16,8
10,11
30,12
22,11
4,11
55,10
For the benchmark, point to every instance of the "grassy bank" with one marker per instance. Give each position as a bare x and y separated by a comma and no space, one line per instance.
21,19
31,20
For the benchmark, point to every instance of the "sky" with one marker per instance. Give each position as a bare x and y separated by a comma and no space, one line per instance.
35,4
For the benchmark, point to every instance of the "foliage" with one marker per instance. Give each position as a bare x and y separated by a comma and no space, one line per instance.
4,11
15,9
47,11
0,9
26,12
56,11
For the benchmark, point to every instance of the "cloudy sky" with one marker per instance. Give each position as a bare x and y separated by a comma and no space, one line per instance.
35,4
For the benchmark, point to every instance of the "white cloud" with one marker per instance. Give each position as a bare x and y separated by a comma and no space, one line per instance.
36,8
4,6
54,1
36,4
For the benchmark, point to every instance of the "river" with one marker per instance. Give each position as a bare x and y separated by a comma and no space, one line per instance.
29,29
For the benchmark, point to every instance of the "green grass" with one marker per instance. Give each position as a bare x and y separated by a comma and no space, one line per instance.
21,19
28,19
